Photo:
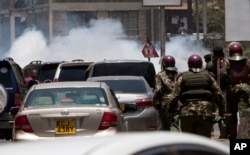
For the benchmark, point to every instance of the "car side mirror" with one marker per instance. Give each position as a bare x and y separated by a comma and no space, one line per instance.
14,110
130,108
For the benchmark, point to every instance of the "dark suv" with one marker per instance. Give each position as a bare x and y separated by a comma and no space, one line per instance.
123,67
45,70
12,80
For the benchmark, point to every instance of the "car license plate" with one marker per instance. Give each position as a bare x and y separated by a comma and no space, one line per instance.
65,127
122,106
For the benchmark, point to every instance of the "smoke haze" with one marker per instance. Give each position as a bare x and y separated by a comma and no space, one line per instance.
103,39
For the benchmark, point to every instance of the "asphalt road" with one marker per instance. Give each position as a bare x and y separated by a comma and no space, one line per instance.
215,137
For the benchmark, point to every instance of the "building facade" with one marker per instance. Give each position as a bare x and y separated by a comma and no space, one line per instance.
57,17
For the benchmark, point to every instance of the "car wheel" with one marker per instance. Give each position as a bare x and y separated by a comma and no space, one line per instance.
3,98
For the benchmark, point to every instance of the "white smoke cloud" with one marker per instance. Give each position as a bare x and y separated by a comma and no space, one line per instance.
183,46
103,39
30,46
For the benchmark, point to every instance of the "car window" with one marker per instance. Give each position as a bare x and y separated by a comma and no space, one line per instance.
181,149
5,75
47,72
67,96
17,70
73,73
126,86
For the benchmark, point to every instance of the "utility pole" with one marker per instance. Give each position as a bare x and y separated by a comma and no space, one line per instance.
163,30
204,13
197,20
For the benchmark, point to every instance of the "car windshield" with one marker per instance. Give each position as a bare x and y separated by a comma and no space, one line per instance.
47,71
144,69
66,96
73,73
126,86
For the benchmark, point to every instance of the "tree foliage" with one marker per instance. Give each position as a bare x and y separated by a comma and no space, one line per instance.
215,19
215,15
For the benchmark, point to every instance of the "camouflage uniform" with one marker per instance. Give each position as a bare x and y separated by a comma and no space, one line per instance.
165,81
198,93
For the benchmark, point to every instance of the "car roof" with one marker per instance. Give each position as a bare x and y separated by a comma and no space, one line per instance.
116,77
69,84
113,144
122,60
74,63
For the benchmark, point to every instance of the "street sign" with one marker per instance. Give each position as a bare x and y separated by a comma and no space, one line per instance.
148,50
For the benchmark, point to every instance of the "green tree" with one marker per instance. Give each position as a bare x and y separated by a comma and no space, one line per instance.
215,21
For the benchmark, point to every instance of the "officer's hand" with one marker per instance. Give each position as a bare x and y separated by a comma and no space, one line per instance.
170,117
221,114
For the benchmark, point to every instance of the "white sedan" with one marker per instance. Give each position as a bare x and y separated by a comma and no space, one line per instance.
130,143
62,109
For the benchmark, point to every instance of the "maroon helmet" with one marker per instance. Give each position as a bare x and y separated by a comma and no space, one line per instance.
195,62
168,63
235,51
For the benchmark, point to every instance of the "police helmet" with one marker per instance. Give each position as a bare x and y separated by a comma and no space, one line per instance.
168,63
235,51
195,63
207,57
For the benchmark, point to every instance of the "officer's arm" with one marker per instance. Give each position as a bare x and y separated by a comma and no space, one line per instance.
174,97
219,98
157,92
158,83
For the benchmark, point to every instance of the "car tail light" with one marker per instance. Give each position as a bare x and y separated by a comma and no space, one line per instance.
17,100
153,127
144,102
108,120
22,123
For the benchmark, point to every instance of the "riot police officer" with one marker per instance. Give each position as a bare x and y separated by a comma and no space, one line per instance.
198,93
238,90
165,81
218,67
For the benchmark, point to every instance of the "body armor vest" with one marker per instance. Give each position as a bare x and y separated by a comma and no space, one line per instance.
238,72
196,87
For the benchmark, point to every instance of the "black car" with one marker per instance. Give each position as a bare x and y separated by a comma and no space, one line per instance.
123,67
12,80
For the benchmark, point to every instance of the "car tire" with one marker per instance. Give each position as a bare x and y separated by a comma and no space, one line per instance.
3,98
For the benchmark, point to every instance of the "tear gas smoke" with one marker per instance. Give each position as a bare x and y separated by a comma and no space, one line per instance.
103,39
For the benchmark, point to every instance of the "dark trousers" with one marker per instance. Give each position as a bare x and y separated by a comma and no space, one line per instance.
232,107
165,124
201,125
232,123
